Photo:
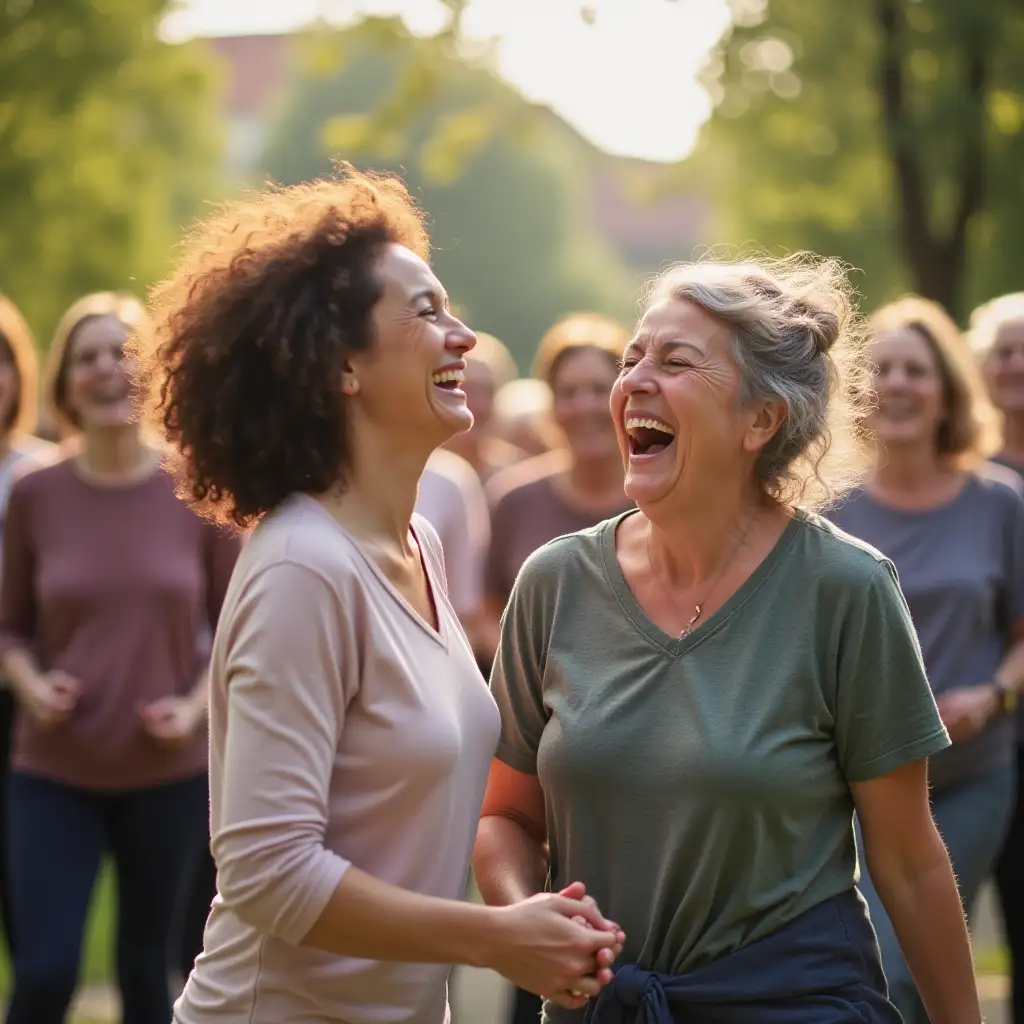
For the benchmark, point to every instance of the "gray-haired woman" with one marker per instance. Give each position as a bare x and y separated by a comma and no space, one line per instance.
697,695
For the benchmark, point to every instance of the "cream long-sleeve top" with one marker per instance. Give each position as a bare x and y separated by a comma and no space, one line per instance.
344,729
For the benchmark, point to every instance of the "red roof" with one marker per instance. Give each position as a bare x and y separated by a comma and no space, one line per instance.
257,69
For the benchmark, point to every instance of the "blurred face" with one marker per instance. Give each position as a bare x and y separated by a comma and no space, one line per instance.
8,382
1004,368
411,381
580,390
479,388
908,385
98,377
676,406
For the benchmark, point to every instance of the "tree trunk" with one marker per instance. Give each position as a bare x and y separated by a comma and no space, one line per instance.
937,258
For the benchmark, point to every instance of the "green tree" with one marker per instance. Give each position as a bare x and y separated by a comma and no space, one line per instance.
887,132
500,182
108,142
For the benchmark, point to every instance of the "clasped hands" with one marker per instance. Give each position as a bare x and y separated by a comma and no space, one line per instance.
560,946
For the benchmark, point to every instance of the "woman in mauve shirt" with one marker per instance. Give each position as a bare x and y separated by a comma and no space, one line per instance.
109,581
308,364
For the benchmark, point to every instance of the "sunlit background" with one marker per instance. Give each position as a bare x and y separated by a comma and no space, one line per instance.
564,150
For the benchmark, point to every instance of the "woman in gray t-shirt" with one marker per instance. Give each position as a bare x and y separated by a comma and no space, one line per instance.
696,695
957,540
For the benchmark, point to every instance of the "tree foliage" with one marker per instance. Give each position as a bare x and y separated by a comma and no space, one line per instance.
888,132
107,144
503,188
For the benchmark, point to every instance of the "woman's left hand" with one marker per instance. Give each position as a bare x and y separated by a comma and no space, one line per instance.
172,721
967,710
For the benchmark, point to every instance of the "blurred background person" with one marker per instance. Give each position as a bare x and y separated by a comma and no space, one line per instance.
577,484
957,539
19,452
569,488
522,416
997,335
451,498
109,584
489,367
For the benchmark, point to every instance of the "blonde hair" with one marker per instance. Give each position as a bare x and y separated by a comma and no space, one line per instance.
122,306
970,431
21,417
796,338
991,317
573,333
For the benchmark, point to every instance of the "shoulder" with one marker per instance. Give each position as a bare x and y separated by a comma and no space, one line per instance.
837,558
996,489
34,480
565,559
301,539
1002,473
525,480
453,469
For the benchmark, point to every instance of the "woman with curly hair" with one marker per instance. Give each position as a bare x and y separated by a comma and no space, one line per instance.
698,694
109,583
307,364
20,452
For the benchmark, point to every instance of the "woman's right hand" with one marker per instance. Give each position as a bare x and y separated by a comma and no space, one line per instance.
49,698
556,946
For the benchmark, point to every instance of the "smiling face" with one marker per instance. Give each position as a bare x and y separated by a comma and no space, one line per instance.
676,406
98,380
408,384
1004,368
580,388
909,387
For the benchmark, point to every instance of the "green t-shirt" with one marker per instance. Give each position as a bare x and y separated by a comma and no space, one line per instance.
699,787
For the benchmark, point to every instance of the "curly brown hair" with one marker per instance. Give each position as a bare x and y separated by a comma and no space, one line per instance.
252,331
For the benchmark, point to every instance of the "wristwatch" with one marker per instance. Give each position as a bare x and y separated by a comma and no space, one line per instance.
1007,697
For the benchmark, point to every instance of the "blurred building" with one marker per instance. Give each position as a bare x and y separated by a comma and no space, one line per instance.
645,232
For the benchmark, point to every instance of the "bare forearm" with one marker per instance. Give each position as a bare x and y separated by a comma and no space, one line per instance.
928,919
21,669
374,920
509,863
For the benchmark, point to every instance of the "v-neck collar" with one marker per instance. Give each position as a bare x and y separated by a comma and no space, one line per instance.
673,645
439,635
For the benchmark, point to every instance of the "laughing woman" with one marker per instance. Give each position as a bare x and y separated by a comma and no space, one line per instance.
308,364
697,695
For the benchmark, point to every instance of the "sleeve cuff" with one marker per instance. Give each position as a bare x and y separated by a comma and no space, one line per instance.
927,746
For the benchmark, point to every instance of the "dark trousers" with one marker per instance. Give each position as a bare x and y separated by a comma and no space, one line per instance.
57,836
7,709
1010,884
198,889
526,1007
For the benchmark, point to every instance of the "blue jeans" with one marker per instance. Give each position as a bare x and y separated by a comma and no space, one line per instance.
972,818
57,836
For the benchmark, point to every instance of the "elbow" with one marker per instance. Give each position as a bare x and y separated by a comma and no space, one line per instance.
278,891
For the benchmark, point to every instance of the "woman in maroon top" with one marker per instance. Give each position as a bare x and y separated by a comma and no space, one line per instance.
110,583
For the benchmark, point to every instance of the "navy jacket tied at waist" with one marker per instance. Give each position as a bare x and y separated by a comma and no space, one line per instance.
822,967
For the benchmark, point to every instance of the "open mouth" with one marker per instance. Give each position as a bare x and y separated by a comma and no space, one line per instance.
648,436
449,380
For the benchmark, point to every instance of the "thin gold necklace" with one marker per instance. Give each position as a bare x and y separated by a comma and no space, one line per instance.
698,607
